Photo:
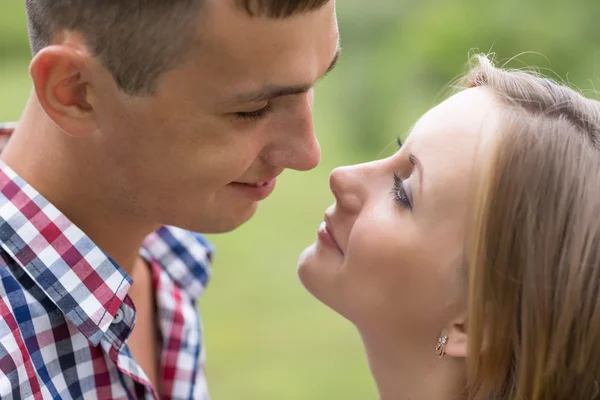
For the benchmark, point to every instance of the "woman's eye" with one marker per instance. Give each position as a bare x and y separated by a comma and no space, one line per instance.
399,193
256,114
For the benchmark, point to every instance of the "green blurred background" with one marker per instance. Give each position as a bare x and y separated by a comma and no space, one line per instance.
266,337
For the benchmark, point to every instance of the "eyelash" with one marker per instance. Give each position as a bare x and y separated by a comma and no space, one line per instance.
255,115
399,193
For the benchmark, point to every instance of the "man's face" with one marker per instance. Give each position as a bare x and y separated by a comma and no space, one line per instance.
232,116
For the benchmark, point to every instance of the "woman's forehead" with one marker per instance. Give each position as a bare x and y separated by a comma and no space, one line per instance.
446,141
455,125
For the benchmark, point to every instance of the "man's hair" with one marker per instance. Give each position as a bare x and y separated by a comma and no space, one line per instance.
138,40
534,299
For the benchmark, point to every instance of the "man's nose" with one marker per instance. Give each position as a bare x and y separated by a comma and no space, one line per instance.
295,145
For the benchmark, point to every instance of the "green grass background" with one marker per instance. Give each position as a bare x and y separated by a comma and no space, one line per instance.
266,337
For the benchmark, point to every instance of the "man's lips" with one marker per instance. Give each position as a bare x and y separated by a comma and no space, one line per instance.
255,191
326,236
255,184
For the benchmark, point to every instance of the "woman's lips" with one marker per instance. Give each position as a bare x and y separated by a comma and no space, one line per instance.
325,235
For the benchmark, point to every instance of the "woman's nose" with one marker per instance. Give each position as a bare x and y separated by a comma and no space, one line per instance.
348,188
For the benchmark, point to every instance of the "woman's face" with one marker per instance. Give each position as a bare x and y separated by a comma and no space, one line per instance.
391,253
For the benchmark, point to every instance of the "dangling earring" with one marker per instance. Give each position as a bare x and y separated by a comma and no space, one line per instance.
440,349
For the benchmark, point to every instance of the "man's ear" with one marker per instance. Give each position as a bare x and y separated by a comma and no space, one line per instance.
456,345
61,78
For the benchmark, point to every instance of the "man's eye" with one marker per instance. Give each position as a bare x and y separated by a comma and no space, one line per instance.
256,114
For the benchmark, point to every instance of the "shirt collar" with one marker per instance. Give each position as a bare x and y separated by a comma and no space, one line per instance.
83,281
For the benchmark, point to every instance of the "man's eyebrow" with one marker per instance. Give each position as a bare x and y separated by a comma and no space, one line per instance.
273,91
270,92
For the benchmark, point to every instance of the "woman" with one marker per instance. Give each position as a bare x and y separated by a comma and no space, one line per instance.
470,260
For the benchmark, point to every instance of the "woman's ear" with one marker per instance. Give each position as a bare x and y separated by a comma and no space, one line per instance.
457,342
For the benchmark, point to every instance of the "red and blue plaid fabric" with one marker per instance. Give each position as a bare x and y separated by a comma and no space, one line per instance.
65,315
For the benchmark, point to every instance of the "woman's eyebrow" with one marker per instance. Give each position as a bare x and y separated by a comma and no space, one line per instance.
419,166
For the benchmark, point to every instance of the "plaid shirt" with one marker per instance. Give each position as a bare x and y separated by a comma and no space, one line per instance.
65,313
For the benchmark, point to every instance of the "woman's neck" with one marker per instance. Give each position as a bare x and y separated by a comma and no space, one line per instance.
413,371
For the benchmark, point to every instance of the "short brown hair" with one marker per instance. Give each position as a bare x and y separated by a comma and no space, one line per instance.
534,303
138,40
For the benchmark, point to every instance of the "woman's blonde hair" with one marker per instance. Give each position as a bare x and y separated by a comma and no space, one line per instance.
534,257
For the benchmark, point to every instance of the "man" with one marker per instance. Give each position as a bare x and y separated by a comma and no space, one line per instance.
146,115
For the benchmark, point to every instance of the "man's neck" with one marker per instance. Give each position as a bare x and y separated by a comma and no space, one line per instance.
412,371
47,159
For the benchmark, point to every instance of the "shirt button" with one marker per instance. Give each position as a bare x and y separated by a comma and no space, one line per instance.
118,317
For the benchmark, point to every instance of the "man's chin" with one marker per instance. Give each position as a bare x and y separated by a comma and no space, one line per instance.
222,221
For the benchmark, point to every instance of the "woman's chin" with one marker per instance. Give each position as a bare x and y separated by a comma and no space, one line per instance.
320,258
306,263
317,270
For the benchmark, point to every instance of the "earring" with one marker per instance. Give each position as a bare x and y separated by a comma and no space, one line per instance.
440,349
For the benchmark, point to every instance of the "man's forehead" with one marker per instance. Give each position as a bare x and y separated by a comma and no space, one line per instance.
269,92
269,55
224,23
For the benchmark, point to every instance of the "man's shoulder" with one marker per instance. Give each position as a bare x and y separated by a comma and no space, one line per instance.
12,290
16,319
184,255
21,300
7,127
6,130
